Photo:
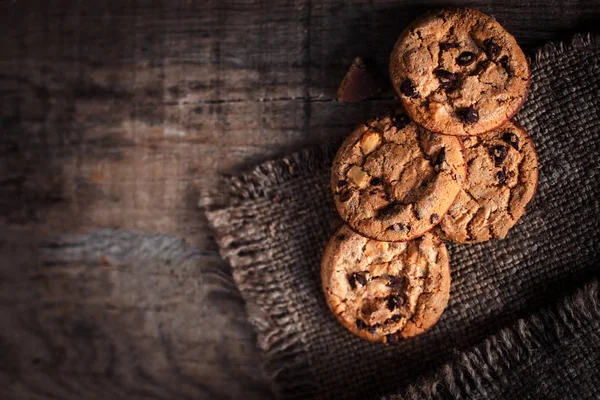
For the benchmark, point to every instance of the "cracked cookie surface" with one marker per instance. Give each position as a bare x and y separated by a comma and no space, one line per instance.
502,178
393,181
458,72
385,291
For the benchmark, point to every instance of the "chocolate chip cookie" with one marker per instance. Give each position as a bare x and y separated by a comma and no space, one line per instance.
393,181
502,178
458,72
385,291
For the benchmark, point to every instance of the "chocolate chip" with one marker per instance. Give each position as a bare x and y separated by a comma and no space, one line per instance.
492,49
345,195
360,324
375,181
445,46
501,176
481,66
440,159
342,183
499,153
452,86
394,302
465,58
469,115
400,121
392,338
447,79
392,319
373,328
396,282
361,82
504,63
511,139
408,89
399,228
434,218
340,237
389,210
444,76
357,277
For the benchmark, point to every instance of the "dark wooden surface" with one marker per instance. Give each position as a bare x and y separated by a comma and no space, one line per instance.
121,115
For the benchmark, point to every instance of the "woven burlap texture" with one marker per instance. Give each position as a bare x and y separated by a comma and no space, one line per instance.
280,215
553,354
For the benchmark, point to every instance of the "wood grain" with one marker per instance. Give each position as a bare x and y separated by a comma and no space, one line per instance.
118,314
121,115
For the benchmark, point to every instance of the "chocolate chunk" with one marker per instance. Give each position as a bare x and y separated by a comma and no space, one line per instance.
440,159
445,46
408,89
492,49
375,181
360,324
394,302
399,228
452,86
434,218
396,282
447,79
357,277
395,318
345,195
481,66
341,183
373,328
504,63
499,153
389,210
400,121
392,338
511,139
465,58
361,82
501,177
469,115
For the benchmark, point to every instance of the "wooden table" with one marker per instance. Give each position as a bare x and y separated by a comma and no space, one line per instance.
121,115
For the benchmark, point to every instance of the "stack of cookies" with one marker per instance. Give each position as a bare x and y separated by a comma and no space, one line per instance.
447,165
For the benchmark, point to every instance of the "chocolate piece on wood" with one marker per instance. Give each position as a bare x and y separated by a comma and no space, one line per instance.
361,82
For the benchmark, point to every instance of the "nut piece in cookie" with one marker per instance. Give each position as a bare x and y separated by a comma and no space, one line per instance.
501,180
359,177
369,142
458,72
385,292
392,180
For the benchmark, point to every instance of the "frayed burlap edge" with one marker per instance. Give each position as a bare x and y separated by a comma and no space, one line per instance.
287,351
279,333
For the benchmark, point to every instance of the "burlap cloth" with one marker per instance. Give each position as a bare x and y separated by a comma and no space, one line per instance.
280,215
